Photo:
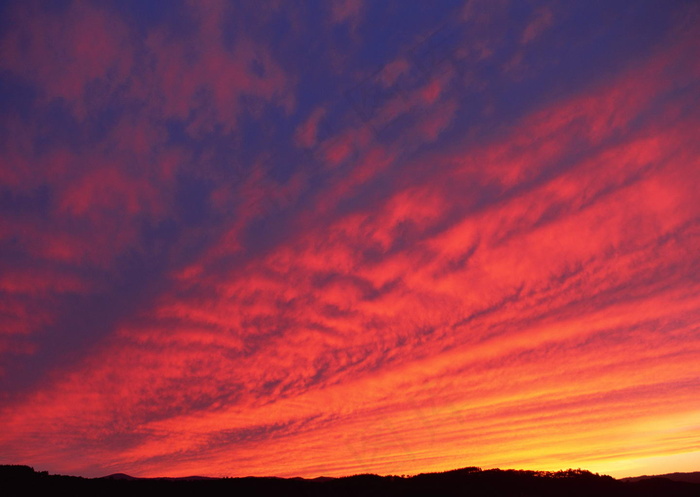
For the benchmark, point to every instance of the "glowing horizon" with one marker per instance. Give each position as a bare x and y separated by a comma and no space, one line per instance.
257,239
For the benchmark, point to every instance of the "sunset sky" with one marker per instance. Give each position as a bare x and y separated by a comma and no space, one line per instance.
337,237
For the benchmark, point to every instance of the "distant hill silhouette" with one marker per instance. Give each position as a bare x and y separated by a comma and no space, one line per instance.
119,476
467,481
686,477
122,476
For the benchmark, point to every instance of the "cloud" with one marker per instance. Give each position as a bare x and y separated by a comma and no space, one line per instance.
214,269
346,11
541,21
98,146
306,133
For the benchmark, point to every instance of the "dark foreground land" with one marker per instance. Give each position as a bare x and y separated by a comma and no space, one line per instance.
23,480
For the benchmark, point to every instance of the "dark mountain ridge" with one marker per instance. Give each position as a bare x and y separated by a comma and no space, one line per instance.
123,476
686,477
470,481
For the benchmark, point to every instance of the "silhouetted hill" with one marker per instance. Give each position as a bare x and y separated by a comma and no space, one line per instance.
686,477
119,476
123,476
467,481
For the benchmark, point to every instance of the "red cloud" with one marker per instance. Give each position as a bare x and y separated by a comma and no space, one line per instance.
64,54
202,80
529,304
307,132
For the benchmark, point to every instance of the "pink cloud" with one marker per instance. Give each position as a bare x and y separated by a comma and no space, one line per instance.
542,19
306,133
202,79
346,11
63,54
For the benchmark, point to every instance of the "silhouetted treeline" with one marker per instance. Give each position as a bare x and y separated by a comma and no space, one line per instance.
462,482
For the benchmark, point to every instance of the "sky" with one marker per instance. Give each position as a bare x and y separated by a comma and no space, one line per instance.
338,237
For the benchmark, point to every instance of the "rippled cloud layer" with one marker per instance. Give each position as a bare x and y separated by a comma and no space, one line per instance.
344,237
